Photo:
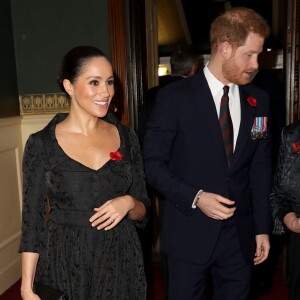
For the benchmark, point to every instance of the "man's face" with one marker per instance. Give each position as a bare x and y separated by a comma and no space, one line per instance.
242,62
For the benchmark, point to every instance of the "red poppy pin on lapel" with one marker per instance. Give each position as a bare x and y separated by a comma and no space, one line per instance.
251,101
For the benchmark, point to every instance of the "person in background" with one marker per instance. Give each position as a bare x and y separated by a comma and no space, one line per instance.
207,150
184,62
285,201
84,193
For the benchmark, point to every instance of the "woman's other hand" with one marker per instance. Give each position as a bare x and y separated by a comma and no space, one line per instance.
114,211
292,222
29,295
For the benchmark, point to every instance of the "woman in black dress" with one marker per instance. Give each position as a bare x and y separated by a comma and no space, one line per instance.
84,193
285,201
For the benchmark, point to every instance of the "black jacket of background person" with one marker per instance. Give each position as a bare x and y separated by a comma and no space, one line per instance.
149,101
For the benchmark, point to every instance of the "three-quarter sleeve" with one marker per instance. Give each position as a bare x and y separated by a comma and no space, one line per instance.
33,236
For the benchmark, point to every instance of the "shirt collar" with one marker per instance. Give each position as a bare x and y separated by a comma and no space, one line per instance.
215,85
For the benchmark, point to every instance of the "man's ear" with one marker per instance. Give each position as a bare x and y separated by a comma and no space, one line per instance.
68,86
225,49
193,70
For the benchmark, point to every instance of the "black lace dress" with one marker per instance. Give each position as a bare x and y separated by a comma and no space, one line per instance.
75,257
285,196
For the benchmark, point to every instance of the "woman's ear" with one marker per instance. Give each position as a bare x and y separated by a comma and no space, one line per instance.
68,87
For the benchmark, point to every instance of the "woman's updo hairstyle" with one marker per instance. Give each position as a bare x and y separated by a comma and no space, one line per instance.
74,62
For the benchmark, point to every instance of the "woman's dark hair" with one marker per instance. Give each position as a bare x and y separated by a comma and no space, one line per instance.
74,61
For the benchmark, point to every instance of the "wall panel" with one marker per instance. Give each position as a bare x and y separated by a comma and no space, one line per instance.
10,200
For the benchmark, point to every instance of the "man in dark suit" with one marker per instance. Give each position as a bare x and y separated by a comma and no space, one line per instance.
211,160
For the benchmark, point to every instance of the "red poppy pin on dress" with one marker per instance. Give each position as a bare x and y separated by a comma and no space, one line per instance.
296,147
116,155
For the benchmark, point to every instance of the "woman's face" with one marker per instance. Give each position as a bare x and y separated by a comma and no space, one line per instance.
93,89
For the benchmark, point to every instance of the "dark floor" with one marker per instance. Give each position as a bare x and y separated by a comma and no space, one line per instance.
278,290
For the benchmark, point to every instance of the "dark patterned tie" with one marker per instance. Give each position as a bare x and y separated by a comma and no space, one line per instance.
226,124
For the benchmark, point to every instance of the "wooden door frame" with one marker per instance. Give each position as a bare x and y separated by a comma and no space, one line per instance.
292,61
116,11
129,55
134,54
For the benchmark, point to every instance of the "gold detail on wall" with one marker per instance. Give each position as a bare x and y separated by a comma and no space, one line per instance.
33,104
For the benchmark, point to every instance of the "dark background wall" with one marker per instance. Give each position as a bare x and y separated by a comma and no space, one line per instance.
34,37
9,103
45,30
199,20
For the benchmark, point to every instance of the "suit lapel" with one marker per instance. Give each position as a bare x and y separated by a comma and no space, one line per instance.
207,115
247,119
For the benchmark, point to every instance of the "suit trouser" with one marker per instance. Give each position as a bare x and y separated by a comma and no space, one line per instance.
231,274
294,266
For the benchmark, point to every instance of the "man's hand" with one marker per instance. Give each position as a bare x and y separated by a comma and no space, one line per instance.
216,206
262,248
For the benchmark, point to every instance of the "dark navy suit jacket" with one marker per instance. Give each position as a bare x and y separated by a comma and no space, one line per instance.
184,152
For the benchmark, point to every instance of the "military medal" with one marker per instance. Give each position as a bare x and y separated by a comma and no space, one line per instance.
259,128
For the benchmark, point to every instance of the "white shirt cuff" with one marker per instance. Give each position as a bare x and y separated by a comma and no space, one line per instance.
196,199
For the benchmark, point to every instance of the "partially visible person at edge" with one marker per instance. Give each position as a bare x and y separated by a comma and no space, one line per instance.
184,62
217,215
263,275
87,168
285,201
